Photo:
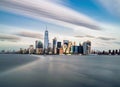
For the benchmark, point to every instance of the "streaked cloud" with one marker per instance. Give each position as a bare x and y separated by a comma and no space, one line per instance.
50,12
101,38
30,34
12,38
113,6
88,36
117,43
106,38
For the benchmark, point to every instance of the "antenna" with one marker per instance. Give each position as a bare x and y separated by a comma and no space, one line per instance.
46,27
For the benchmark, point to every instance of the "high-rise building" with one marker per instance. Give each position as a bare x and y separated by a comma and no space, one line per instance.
65,42
80,49
65,45
55,45
58,47
86,47
49,48
69,47
39,47
46,41
76,49
31,49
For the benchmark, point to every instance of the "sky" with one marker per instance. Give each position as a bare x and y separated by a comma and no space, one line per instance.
22,22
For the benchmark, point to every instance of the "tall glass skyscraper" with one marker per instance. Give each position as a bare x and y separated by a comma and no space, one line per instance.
46,41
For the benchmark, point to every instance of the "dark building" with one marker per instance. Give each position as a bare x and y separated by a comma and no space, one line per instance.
66,42
110,52
58,47
58,44
116,51
80,49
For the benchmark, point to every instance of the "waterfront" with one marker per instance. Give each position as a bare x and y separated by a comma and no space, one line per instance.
18,70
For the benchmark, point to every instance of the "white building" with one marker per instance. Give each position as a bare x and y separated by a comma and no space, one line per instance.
86,47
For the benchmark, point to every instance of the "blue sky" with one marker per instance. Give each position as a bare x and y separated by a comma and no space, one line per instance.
76,20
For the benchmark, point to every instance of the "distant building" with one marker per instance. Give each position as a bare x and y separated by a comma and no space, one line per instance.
58,46
39,47
49,48
80,49
76,49
55,45
65,42
60,51
64,48
46,41
31,49
68,47
86,47
72,49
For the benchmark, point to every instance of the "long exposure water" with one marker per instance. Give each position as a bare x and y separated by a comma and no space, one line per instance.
59,71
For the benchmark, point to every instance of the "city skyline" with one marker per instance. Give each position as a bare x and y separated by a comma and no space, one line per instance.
75,20
55,47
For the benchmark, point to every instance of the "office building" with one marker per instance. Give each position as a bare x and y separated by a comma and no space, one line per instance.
65,42
31,49
80,49
49,48
46,41
58,47
55,45
68,47
86,47
39,47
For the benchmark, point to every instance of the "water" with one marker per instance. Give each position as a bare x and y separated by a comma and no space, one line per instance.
59,71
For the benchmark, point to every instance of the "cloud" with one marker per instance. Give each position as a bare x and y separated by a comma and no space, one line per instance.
6,37
50,12
106,38
101,38
117,43
113,6
88,36
30,34
79,36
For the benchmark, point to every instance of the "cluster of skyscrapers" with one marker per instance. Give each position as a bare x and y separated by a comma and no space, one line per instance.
57,47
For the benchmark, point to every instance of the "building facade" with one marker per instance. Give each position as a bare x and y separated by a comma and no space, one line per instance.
55,45
86,47
39,47
46,41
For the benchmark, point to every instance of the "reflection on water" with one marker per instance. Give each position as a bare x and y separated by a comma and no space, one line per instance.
60,71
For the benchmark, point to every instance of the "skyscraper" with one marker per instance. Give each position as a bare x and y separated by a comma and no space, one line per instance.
86,47
46,41
55,45
31,49
58,47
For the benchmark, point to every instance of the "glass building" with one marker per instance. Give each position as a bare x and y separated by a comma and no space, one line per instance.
55,45
86,47
46,41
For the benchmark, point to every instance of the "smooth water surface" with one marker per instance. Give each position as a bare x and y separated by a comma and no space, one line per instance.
59,71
